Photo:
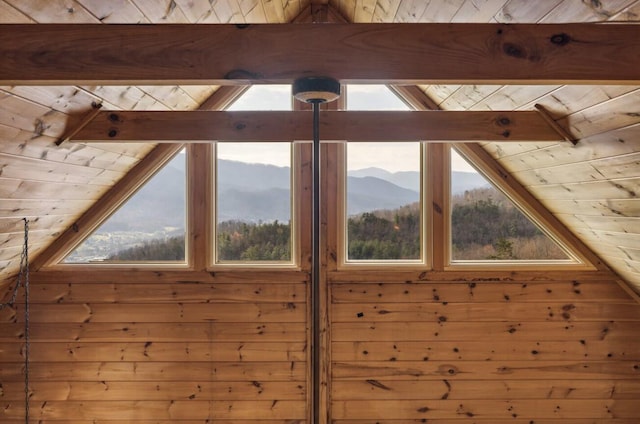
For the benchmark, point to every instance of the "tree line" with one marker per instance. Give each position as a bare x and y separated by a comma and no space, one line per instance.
484,226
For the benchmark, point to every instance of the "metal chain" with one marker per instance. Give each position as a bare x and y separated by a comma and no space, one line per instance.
23,279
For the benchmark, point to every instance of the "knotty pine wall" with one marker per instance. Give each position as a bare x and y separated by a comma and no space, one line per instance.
559,350
194,347
158,347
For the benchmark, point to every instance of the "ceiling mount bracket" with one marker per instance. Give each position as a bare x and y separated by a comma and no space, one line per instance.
316,89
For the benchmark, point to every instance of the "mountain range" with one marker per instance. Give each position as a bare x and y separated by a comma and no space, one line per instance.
260,193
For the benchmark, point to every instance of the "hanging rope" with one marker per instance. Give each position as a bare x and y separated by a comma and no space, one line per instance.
23,280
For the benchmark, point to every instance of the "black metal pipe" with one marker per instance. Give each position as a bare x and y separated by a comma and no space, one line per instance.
315,263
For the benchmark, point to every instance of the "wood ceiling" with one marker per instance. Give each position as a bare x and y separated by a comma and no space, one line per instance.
592,187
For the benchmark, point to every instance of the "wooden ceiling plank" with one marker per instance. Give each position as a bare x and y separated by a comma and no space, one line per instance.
201,126
569,99
600,207
364,11
24,114
588,11
624,188
441,11
622,166
478,10
410,10
512,97
114,11
528,11
172,96
161,11
610,144
11,15
386,10
253,11
19,167
618,224
58,11
630,13
11,188
20,208
466,96
619,112
292,9
274,11
229,54
65,99
197,10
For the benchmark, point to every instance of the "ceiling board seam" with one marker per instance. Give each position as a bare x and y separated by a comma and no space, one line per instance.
19,11
586,161
614,17
604,102
549,12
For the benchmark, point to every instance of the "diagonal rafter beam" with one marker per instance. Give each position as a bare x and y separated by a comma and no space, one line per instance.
206,126
357,53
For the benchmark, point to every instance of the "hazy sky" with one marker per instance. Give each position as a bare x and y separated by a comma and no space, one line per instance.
393,157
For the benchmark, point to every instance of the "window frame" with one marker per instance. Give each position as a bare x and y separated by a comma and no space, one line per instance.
294,178
426,232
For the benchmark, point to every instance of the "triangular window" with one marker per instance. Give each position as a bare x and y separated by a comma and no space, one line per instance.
148,227
487,226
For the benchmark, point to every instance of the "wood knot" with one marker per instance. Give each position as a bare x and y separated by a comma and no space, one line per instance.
503,121
560,39
514,50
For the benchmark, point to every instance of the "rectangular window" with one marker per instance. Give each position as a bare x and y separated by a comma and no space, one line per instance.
253,203
383,213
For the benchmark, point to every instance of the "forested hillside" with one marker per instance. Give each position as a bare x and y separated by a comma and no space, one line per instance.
485,226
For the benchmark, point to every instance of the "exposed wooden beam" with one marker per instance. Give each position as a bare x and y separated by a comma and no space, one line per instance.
205,126
356,53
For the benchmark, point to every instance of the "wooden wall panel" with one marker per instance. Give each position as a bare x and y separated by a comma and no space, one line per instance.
483,352
134,348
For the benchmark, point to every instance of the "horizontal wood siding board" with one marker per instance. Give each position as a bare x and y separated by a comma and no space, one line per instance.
512,420
165,410
153,351
474,312
160,371
154,293
157,332
484,370
514,331
87,275
402,292
218,312
528,409
161,390
454,389
473,350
